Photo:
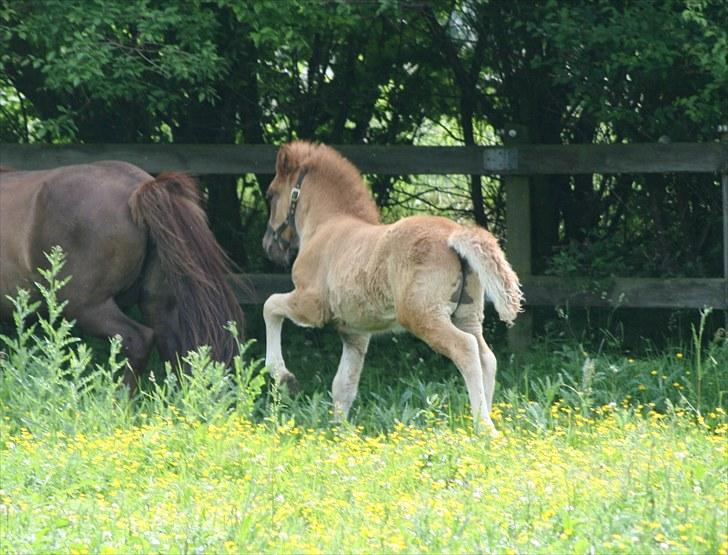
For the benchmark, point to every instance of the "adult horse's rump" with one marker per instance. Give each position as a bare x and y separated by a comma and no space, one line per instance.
129,239
424,273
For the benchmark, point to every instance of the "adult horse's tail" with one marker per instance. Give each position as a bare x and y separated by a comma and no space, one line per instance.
193,266
482,252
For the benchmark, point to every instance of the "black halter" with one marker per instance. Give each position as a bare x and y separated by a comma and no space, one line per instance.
290,220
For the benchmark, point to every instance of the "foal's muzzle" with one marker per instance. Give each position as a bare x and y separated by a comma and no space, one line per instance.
278,249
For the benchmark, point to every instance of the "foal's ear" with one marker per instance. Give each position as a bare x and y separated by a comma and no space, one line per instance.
285,163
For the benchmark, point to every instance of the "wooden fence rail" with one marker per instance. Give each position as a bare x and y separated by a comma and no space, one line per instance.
513,162
389,160
557,291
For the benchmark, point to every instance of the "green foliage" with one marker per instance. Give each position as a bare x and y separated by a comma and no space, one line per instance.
404,380
391,72
50,383
157,63
207,390
597,257
104,56
620,65
619,482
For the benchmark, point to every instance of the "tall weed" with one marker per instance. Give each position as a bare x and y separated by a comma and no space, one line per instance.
50,383
48,379
206,390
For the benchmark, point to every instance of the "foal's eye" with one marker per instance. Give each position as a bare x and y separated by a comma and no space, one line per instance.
269,194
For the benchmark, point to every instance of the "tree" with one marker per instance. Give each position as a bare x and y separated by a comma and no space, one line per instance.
374,72
593,72
225,72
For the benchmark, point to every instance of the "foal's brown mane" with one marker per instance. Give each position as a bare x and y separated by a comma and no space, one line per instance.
337,178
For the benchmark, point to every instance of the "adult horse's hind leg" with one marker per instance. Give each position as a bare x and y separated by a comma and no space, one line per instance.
346,381
107,320
436,329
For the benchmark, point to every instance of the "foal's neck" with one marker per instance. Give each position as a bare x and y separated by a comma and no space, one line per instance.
326,200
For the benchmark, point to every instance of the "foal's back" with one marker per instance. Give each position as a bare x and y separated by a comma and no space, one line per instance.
374,272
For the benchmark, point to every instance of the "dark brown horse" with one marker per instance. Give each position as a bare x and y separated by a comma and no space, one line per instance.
129,239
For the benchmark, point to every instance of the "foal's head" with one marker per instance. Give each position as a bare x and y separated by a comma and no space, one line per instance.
324,175
280,241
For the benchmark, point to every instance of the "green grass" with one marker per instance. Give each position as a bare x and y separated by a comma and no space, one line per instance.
620,482
600,451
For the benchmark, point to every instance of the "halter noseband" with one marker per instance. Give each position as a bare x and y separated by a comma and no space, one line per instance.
290,220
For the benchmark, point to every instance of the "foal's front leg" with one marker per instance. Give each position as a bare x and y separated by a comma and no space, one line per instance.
275,310
346,381
304,308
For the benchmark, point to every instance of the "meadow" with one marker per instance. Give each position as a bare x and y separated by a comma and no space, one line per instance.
600,450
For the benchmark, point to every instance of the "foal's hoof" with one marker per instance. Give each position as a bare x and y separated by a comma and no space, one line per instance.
492,433
290,382
486,429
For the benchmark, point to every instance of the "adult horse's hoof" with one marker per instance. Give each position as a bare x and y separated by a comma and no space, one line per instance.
290,382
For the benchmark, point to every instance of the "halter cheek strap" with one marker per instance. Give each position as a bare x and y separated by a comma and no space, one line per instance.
290,220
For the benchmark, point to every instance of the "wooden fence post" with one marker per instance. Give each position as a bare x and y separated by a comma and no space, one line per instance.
518,235
723,130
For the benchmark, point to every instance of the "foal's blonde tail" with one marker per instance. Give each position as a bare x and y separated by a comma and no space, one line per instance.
481,251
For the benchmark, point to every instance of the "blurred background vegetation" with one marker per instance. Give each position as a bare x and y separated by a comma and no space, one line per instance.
452,72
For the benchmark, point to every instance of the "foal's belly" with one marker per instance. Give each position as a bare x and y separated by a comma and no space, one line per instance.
360,294
364,316
369,325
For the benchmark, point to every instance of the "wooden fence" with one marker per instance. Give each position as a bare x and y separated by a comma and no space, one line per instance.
514,162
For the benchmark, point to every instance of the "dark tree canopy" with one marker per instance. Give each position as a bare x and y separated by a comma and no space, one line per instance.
391,72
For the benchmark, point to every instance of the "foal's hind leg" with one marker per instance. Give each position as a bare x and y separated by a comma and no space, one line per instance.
468,317
107,320
490,368
346,381
436,329
488,361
